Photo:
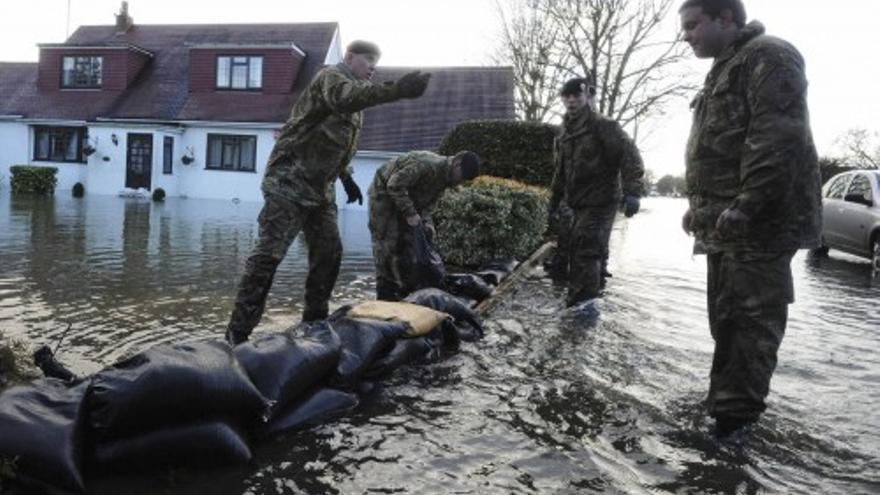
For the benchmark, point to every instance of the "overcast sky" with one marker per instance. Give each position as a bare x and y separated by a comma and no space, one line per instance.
838,39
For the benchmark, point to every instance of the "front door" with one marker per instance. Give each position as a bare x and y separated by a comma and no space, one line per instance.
139,161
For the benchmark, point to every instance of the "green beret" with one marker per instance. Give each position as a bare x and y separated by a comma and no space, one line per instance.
364,48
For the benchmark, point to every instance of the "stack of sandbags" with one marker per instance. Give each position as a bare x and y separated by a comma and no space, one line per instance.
467,324
174,405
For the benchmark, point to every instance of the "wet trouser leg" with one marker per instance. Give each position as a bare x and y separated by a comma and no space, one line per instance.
384,234
748,297
279,223
325,256
561,260
590,233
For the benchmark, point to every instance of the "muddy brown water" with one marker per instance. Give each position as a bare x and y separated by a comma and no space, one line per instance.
545,404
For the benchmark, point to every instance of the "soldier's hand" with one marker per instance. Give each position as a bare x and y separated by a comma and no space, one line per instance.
413,221
352,190
412,84
686,221
631,205
731,222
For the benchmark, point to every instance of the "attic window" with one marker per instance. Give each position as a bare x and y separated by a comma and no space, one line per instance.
239,72
81,72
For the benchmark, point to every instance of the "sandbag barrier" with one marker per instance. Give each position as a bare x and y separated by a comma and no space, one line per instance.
202,404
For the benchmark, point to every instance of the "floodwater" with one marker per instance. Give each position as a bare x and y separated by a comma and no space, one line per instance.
544,404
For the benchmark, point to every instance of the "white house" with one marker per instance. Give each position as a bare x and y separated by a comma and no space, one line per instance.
194,109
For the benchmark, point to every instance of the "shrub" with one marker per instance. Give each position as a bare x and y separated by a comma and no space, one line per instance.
31,179
159,194
515,150
15,362
78,190
490,218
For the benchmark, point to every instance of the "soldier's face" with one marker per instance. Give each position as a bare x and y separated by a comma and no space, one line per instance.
363,65
708,37
575,102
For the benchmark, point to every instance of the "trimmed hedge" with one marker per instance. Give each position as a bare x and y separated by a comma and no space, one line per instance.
32,179
490,218
521,151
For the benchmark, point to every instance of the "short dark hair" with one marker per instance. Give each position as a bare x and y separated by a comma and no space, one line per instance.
469,163
713,8
363,48
576,86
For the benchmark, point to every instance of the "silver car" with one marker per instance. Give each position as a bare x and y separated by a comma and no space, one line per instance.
851,215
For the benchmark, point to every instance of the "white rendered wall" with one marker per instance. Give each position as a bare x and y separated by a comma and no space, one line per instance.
13,149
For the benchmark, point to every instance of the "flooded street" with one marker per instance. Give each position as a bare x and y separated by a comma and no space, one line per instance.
544,404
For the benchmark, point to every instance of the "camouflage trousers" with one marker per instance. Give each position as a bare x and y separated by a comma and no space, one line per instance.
279,223
392,241
590,233
748,296
561,227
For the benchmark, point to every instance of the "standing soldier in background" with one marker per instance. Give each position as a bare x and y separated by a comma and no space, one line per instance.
402,195
754,193
313,150
593,157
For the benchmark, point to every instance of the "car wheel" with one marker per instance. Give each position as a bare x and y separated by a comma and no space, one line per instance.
875,259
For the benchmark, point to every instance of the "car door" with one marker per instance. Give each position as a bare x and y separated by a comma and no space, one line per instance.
833,208
857,217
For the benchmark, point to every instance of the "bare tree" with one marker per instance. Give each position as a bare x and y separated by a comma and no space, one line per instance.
530,45
861,148
635,66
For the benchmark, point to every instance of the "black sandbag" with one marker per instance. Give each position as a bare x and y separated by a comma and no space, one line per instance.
320,406
505,266
285,365
172,385
202,444
363,341
467,285
454,306
41,427
427,268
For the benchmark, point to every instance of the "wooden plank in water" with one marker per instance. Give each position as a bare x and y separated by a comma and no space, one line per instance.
513,279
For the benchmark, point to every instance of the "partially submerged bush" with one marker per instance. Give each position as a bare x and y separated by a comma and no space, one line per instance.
490,218
79,190
159,194
31,179
15,362
511,149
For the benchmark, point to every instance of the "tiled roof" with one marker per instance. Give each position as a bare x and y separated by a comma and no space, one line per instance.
454,94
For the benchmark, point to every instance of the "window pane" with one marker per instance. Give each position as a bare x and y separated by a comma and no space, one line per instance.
837,187
239,76
168,155
71,140
97,72
248,150
255,79
230,153
861,186
42,139
215,148
222,72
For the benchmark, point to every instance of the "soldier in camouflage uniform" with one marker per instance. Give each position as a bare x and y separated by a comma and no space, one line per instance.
402,195
596,164
314,149
754,193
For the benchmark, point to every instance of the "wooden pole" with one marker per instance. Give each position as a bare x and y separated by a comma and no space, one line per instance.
514,278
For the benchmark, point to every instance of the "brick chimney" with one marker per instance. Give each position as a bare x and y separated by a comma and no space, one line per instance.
124,22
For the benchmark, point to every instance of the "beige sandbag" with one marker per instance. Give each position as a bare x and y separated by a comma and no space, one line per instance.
421,320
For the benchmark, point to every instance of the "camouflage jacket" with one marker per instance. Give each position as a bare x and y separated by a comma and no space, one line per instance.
319,139
414,181
751,148
593,155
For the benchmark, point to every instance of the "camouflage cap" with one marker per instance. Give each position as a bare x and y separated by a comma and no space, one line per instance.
364,48
576,85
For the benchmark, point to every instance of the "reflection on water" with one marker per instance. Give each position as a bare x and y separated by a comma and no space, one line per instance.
542,405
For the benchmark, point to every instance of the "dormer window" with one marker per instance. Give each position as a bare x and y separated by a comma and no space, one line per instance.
82,72
239,72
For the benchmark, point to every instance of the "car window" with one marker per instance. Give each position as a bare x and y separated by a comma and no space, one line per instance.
861,186
837,187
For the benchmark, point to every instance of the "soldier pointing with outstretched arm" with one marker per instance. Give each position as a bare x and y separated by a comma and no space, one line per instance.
314,149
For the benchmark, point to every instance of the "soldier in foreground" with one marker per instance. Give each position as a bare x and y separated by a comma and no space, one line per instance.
754,192
402,195
313,150
594,158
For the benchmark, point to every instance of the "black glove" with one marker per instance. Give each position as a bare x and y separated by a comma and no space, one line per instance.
412,84
631,205
352,190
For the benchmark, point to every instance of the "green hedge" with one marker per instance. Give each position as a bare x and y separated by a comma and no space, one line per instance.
490,218
521,151
15,362
31,179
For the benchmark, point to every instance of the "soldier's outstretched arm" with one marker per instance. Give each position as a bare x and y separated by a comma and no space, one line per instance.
777,130
346,95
